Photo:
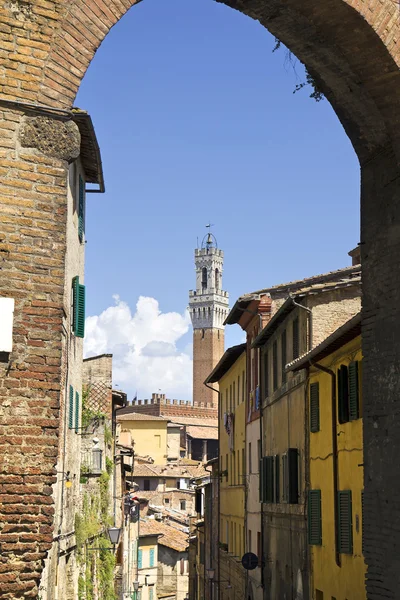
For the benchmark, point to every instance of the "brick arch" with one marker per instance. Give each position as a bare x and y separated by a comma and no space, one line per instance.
351,47
347,44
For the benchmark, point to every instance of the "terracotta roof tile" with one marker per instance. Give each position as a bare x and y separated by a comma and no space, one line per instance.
171,537
207,433
139,417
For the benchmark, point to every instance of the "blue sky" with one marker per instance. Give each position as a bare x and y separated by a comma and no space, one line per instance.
197,121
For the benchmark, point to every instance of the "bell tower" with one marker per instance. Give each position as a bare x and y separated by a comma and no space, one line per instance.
208,307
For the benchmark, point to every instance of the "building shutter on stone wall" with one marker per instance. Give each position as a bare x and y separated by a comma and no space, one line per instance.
345,523
260,481
140,559
151,557
78,316
314,517
71,407
268,477
277,479
275,365
283,356
293,464
81,209
314,407
77,408
343,394
354,411
295,338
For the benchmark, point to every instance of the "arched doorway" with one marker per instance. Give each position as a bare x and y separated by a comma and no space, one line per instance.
351,49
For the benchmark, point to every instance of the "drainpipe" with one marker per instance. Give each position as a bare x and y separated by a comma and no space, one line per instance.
310,322
334,454
219,480
259,466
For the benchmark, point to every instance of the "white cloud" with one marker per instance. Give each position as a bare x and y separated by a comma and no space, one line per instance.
143,344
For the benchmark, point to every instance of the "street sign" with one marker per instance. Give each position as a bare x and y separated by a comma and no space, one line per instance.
249,561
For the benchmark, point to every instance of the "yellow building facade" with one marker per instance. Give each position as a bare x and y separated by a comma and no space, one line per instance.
230,374
148,433
335,465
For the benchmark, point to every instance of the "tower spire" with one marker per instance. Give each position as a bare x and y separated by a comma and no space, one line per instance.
208,306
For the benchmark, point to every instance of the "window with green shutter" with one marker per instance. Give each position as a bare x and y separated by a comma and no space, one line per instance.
77,407
314,407
354,412
140,558
343,394
293,473
266,373
283,355
260,480
78,308
81,209
268,478
345,524
314,518
295,338
275,365
71,407
151,557
277,479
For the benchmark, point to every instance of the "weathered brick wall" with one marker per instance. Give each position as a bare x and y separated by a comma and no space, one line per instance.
46,47
208,347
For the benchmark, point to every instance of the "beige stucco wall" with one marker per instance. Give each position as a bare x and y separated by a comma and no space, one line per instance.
173,442
66,499
149,438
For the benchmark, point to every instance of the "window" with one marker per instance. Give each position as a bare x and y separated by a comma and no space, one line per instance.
183,504
290,466
250,544
204,278
151,557
345,524
182,566
157,439
295,340
78,308
76,412
234,394
151,592
314,407
266,373
268,479
146,485
348,392
216,279
283,355
259,548
259,450
277,481
243,468
140,558
226,400
166,500
275,365
230,398
314,518
238,390
234,469
81,209
249,457
71,407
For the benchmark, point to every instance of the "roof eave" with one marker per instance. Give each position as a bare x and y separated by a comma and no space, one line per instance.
90,150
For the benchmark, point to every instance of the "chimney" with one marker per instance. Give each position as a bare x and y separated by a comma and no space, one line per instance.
355,256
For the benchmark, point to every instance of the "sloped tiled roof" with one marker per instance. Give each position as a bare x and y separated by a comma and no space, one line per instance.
139,417
171,537
201,421
206,433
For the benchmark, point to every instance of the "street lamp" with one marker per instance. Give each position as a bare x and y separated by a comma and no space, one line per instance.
113,534
211,573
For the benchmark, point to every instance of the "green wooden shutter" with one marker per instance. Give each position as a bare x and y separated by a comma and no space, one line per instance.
140,559
78,317
277,479
343,394
77,407
345,524
295,340
293,468
275,365
151,557
71,407
266,373
314,407
269,478
314,517
283,355
362,521
81,209
353,391
261,481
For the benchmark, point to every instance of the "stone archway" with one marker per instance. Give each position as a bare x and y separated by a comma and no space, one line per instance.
352,49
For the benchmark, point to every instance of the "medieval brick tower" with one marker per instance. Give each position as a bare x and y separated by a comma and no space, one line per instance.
208,306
